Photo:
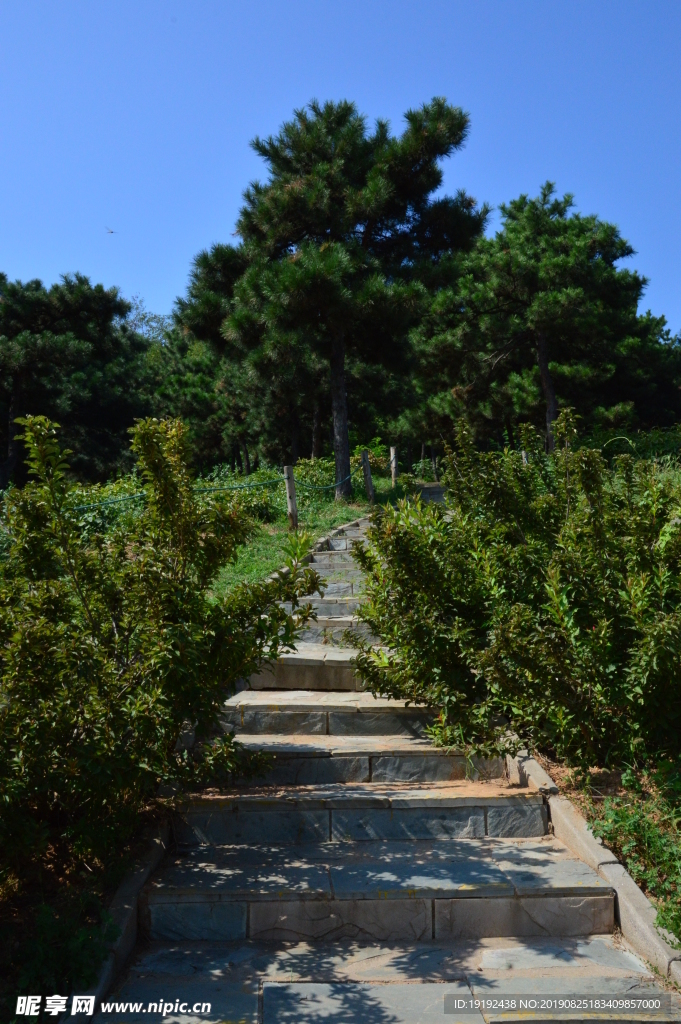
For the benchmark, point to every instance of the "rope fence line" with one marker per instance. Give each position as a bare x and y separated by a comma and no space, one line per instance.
210,490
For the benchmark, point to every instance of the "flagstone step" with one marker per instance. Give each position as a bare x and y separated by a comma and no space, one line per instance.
328,607
334,713
332,558
385,891
312,666
319,759
326,628
379,983
360,813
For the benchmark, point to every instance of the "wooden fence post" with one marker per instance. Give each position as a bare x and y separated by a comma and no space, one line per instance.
368,482
393,466
291,504
433,461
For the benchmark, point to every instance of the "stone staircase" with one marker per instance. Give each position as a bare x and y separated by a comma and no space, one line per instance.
368,877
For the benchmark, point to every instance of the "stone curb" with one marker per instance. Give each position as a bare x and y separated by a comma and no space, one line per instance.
635,911
527,772
123,911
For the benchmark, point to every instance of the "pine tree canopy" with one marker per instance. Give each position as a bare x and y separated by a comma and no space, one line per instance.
541,315
336,240
65,352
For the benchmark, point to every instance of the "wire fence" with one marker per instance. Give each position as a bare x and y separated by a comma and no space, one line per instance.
276,482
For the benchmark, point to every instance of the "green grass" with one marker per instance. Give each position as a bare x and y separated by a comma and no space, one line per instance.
263,555
643,829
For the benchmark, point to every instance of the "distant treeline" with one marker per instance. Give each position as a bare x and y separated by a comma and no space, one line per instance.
358,303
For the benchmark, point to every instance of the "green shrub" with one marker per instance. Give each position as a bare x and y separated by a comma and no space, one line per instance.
643,829
540,606
110,642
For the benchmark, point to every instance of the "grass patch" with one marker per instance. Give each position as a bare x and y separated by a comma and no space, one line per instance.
264,552
637,814
643,829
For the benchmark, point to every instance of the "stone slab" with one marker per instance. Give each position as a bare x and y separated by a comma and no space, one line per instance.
582,954
317,676
217,922
254,721
233,873
350,746
317,770
518,818
407,823
381,920
287,1003
524,916
310,700
433,768
378,723
249,826
393,876
461,793
545,867
597,956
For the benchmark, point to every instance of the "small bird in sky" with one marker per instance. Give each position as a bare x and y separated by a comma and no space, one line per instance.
110,232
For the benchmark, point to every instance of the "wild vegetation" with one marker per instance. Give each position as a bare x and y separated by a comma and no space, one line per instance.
540,606
113,645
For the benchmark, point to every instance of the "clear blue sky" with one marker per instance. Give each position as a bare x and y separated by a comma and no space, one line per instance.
137,116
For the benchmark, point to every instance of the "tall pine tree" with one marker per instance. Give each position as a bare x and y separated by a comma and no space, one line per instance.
342,237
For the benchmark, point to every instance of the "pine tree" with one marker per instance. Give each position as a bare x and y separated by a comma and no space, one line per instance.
342,237
66,352
542,315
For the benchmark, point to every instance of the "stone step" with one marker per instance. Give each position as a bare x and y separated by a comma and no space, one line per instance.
320,760
333,627
332,558
384,891
311,667
344,588
309,712
325,607
359,813
380,983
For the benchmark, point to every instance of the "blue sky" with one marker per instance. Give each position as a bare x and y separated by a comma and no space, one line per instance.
137,116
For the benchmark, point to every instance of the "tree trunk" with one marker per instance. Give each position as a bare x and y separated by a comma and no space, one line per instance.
295,430
237,455
317,430
13,446
548,389
247,461
339,406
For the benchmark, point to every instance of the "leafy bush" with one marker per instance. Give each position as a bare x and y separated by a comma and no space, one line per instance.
644,830
379,456
540,606
111,642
